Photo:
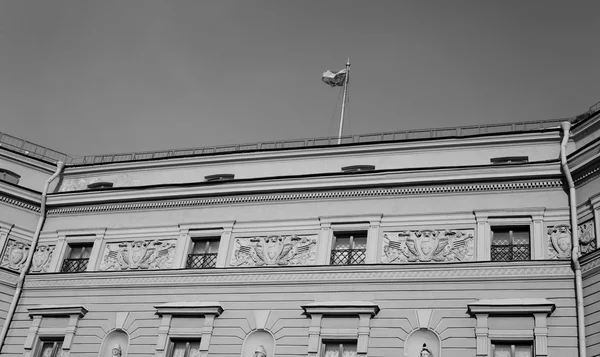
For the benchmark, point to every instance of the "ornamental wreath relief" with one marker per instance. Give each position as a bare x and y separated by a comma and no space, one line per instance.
274,250
427,245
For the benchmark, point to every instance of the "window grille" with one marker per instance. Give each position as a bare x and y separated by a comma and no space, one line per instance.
77,261
349,248
510,244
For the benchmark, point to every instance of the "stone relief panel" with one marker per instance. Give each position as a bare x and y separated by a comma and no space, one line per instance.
42,258
428,245
587,237
274,250
82,183
559,242
138,255
14,255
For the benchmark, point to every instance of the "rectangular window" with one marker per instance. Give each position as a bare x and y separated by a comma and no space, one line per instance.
350,248
184,348
339,349
512,350
51,348
510,244
78,258
204,253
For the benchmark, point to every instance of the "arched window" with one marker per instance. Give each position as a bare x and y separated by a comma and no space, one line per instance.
9,176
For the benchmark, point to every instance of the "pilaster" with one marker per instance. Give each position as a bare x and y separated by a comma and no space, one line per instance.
373,241
482,239
324,243
482,333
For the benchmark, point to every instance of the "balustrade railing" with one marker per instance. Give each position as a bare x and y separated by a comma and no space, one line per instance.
507,253
201,261
74,265
348,256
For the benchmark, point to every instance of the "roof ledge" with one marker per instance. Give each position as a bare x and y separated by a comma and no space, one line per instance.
343,308
190,308
511,306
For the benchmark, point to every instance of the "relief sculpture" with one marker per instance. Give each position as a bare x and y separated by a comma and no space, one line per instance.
427,245
587,237
559,242
14,255
148,254
274,250
41,259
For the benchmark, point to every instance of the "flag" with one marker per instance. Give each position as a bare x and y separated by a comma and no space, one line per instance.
334,79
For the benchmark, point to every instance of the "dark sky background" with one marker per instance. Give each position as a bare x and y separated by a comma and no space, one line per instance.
92,77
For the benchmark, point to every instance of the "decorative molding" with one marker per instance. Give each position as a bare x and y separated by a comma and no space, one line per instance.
559,241
428,245
15,255
139,254
19,204
309,196
191,308
341,308
309,275
57,310
587,237
42,258
511,306
274,250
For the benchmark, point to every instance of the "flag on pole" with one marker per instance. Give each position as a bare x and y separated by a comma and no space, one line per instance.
336,79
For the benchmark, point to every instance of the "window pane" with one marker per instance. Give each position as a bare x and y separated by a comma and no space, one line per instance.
523,351
202,246
521,237
332,350
213,247
80,252
179,349
199,247
360,242
192,347
342,243
349,350
502,351
500,237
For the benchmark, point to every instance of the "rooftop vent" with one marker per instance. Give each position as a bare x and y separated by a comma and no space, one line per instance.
219,177
9,176
358,168
100,185
509,160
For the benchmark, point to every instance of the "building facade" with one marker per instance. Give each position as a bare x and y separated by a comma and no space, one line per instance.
449,242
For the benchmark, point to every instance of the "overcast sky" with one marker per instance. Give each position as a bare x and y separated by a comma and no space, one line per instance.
87,77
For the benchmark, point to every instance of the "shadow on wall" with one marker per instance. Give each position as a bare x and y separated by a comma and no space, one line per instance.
259,343
413,347
115,344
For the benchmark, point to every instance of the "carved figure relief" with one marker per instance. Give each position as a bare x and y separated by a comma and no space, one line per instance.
425,352
274,250
260,351
41,259
559,242
587,237
116,351
148,254
14,255
428,245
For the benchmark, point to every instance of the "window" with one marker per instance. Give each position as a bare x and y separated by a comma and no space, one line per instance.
51,348
184,348
339,349
9,176
358,168
510,244
509,160
349,248
78,258
504,349
100,185
204,253
219,177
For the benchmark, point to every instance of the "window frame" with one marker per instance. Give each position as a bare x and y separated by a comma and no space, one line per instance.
209,240
510,228
4,173
341,342
512,344
351,258
85,243
42,340
188,340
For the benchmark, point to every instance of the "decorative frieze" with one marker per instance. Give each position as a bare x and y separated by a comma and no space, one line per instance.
42,258
559,242
587,237
15,255
428,245
274,250
140,254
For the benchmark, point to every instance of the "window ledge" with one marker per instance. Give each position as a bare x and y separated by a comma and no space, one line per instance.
511,306
190,308
57,310
343,308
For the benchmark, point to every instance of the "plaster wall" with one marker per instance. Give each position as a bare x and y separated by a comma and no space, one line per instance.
33,176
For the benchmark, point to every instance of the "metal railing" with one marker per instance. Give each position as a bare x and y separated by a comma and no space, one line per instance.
510,252
46,154
201,261
74,265
348,256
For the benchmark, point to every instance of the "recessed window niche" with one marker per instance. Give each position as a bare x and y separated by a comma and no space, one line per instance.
414,343
115,340
259,341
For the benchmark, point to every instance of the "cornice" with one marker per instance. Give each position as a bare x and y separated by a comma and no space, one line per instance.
529,138
590,263
367,274
57,310
439,176
20,193
348,194
511,306
341,308
18,203
22,159
192,308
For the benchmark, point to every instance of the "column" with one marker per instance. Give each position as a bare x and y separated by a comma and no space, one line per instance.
540,331
324,244
224,246
163,335
482,239
538,238
96,253
373,242
363,334
482,334
314,335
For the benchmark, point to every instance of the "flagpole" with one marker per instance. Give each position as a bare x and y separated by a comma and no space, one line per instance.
344,100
